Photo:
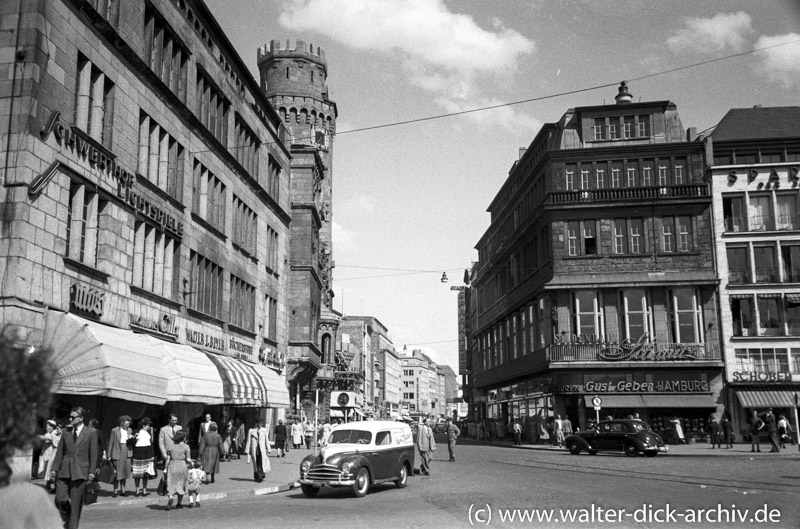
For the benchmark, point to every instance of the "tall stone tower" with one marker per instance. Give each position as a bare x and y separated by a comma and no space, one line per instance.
294,79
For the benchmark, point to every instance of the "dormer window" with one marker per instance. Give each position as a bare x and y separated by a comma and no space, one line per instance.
643,126
599,129
613,128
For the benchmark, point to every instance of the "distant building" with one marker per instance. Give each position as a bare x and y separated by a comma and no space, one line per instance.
754,159
596,276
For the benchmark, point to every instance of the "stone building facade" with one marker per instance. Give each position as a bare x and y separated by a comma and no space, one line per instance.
754,158
146,189
596,276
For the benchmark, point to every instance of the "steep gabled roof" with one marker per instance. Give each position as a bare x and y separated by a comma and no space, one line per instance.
758,123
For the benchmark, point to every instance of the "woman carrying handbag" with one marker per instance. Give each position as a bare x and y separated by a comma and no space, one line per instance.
119,453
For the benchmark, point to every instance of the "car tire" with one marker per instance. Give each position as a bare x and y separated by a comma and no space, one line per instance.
574,448
361,485
309,490
651,453
630,449
402,477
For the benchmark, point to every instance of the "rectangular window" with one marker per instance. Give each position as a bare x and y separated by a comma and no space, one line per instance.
83,218
274,178
684,229
733,213
570,177
205,286
616,171
686,316
746,157
643,126
161,157
764,257
663,172
792,305
791,263
271,315
272,250
742,312
156,261
677,170
613,128
212,107
769,318
587,314
582,237
242,311
620,240
208,198
738,264
631,173
668,234
245,223
599,128
94,102
636,312
245,148
787,212
760,212
771,156
647,173
164,53
636,236
573,228
628,126
584,178
108,9
600,175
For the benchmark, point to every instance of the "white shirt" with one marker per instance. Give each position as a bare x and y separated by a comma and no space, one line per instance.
123,435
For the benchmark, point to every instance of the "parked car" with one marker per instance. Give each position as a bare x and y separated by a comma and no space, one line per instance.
631,436
359,455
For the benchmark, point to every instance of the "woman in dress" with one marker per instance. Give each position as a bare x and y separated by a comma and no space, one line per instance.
143,456
297,434
210,445
178,457
119,454
50,442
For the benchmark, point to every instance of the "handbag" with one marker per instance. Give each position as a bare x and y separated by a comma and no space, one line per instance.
162,485
107,472
90,493
151,470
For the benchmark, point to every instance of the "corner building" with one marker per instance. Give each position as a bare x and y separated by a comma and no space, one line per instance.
754,159
146,192
596,276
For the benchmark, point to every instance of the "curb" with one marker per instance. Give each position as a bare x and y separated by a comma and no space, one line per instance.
162,500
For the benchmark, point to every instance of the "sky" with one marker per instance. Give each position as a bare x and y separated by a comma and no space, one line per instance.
409,200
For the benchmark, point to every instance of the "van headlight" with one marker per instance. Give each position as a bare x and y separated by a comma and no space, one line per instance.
304,466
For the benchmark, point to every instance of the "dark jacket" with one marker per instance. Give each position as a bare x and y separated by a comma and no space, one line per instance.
280,434
74,458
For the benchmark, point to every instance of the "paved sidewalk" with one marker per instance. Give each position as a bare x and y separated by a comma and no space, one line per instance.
235,479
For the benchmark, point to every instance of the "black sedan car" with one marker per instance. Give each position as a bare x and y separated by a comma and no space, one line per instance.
631,436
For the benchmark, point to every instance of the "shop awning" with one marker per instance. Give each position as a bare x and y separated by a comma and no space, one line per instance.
241,383
616,401
359,412
766,398
740,296
793,298
336,413
277,392
191,376
679,401
94,359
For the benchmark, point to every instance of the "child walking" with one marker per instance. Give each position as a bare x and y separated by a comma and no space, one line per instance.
196,477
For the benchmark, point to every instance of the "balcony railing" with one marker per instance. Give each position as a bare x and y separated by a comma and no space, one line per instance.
788,222
766,275
746,328
634,352
791,275
735,224
738,277
762,223
628,193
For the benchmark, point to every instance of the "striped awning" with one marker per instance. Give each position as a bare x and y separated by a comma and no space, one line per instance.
769,295
793,298
766,398
740,296
241,383
277,392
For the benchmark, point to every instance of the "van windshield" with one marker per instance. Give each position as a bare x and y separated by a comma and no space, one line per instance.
360,437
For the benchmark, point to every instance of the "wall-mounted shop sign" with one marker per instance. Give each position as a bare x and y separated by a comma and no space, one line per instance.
165,326
659,386
87,151
754,376
641,349
162,217
239,349
85,298
205,340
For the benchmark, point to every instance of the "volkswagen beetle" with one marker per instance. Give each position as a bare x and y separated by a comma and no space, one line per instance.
359,455
631,436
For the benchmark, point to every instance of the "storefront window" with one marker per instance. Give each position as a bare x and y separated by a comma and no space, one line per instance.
635,322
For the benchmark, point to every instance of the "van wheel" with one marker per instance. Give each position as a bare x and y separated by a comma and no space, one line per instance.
361,486
402,477
309,490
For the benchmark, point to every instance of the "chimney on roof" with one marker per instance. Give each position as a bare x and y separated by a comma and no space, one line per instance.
623,97
522,152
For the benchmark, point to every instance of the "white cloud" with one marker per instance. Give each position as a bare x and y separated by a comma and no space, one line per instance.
343,239
725,31
782,63
443,53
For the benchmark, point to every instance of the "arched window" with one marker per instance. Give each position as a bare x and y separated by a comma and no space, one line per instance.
326,348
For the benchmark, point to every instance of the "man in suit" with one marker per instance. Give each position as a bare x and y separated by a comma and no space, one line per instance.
167,434
426,444
204,427
257,449
71,467
452,434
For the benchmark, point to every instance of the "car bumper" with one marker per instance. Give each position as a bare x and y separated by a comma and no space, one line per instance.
340,482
